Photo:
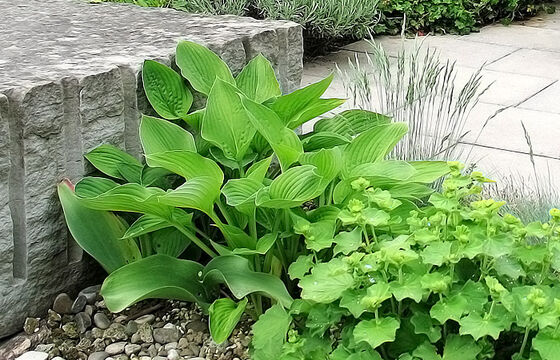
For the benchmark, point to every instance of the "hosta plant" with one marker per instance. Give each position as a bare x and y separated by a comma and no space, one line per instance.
453,279
220,198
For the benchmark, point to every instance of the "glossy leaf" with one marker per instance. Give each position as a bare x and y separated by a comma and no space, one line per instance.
166,91
97,232
201,66
224,314
109,160
258,81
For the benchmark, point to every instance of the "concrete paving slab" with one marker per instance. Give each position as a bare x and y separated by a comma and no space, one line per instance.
450,47
540,63
546,100
545,21
518,36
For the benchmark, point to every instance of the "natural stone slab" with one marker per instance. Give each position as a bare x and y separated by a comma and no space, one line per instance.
69,81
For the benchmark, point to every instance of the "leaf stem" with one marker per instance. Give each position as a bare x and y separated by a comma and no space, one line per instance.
189,234
524,343
224,211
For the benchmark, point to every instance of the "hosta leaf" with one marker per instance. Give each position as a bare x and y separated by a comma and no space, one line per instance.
148,223
236,237
292,188
97,232
234,271
429,171
383,173
149,278
241,191
188,164
547,344
159,135
224,314
167,93
198,193
327,161
270,333
372,145
348,241
109,159
313,110
327,282
377,331
323,140
258,170
127,197
201,66
423,324
291,106
226,122
460,348
258,81
263,245
351,122
284,141
219,156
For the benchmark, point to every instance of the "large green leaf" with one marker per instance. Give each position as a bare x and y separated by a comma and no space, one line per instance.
257,80
169,241
95,193
159,135
97,232
547,344
373,145
188,164
351,122
198,193
235,272
429,171
284,142
226,122
111,160
166,91
201,66
292,188
270,333
327,161
324,140
150,278
224,314
304,104
327,282
460,348
376,331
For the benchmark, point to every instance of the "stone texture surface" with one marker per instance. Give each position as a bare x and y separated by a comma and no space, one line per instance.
69,81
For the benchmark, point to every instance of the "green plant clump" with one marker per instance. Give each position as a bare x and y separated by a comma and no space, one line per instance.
452,280
237,212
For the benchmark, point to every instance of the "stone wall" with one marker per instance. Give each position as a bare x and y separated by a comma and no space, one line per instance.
69,81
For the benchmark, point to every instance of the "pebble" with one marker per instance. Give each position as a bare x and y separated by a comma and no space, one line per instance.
115,348
98,355
132,349
146,333
91,293
131,328
116,332
145,319
89,310
44,348
83,322
30,325
71,330
33,355
101,320
57,358
166,335
79,304
63,304
173,355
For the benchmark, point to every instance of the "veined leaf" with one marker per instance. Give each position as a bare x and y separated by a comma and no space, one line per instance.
383,172
198,193
226,122
169,241
201,66
327,282
351,122
241,192
291,106
188,164
324,140
429,171
263,245
327,161
108,159
149,279
224,314
127,197
167,93
373,145
159,135
258,81
235,273
284,142
292,188
258,170
97,232
148,223
313,110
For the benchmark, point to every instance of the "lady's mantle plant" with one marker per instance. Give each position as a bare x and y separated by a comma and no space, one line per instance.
453,280
224,186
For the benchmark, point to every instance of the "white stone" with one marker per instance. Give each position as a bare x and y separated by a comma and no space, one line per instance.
33,355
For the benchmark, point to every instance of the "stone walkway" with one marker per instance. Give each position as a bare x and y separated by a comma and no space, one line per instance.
523,62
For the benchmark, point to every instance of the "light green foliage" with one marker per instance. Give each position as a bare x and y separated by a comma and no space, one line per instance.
451,279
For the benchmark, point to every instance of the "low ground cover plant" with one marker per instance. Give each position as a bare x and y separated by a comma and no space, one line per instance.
329,22
235,211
